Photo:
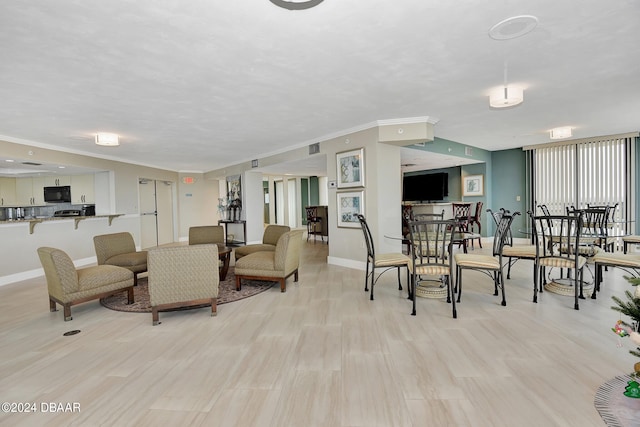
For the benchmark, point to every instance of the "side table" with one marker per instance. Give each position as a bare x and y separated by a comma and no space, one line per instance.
226,223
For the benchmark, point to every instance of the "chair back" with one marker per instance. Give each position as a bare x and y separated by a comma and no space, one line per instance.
109,245
431,241
461,211
557,236
61,274
312,213
205,234
273,232
544,209
595,222
288,249
371,252
478,213
503,236
183,273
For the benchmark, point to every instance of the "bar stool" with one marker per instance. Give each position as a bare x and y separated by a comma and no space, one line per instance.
313,222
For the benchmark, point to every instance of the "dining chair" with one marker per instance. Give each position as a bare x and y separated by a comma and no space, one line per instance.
490,265
629,263
557,240
431,247
462,215
515,252
385,261
476,221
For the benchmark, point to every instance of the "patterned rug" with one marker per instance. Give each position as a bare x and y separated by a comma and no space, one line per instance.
226,293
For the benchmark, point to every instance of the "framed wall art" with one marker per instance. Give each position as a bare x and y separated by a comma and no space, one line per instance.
473,185
350,168
350,204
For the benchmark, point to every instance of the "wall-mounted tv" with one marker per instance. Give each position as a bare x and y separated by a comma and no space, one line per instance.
425,188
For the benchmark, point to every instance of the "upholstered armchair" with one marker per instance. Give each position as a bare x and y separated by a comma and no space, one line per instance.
183,276
69,286
120,249
206,234
276,265
269,240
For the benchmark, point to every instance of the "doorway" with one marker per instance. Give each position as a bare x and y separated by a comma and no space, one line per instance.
156,212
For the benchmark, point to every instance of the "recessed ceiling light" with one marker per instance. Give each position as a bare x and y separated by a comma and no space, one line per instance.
296,5
9,161
107,139
560,133
514,27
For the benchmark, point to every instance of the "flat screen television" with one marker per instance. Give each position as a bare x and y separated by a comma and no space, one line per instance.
425,188
60,194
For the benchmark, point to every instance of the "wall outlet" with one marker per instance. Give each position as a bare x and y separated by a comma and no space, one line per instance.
517,198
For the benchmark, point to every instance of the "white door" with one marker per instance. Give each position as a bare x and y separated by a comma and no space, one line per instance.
156,212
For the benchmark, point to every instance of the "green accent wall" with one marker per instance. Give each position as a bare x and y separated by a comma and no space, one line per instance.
508,182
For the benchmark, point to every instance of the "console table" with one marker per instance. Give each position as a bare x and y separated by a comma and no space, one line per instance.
226,223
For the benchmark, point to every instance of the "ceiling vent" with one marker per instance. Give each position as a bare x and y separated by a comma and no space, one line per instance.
468,151
314,148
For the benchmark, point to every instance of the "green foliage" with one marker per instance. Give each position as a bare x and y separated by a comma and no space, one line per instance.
631,308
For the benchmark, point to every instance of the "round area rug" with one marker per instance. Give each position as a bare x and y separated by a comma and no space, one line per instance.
226,293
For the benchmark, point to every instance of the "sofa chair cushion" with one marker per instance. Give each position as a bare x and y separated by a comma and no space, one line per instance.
269,240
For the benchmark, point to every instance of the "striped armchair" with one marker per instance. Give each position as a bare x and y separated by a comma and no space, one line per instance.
68,286
183,276
276,265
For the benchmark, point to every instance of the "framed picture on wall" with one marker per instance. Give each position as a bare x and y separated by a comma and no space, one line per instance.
350,168
350,204
473,185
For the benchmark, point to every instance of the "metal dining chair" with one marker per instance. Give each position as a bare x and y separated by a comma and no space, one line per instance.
385,261
431,246
557,240
491,265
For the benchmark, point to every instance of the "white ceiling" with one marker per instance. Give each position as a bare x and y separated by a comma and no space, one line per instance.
204,84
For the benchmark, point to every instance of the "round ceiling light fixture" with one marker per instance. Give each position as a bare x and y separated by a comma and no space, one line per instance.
296,5
514,27
506,96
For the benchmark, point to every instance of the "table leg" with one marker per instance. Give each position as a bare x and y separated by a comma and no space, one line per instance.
225,265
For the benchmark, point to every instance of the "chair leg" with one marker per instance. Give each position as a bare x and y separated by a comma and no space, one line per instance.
480,233
509,269
130,296
501,279
52,305
67,312
283,285
537,277
154,316
238,283
399,282
413,292
596,280
373,282
452,297
495,283
458,288
214,307
366,277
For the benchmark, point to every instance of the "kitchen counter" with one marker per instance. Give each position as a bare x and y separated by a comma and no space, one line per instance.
34,221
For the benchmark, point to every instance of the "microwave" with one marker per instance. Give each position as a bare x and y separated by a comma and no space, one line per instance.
57,194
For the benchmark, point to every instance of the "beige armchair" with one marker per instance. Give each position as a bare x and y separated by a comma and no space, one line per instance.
120,249
275,265
68,286
271,235
183,276
203,234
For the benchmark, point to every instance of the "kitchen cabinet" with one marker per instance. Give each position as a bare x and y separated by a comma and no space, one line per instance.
56,181
29,191
82,189
7,191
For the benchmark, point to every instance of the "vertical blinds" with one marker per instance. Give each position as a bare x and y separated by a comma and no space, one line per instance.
589,172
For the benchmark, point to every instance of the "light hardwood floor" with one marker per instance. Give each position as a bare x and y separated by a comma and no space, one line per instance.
321,354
